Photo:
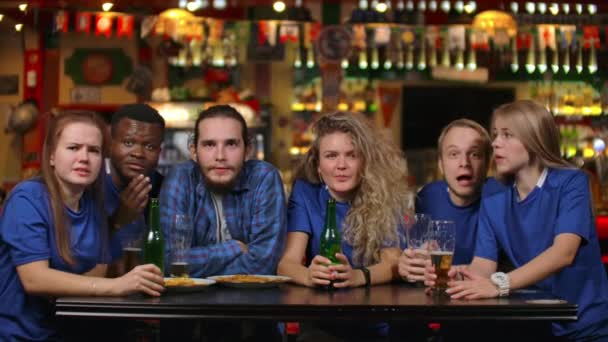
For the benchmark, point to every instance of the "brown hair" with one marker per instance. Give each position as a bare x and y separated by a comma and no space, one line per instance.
535,127
60,220
383,194
466,123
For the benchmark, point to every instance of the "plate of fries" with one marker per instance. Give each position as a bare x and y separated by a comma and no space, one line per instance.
185,284
250,280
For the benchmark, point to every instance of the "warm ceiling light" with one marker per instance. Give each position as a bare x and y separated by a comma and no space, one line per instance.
554,8
433,5
542,7
107,6
219,4
22,7
514,7
445,6
381,7
278,6
530,7
490,21
470,7
192,6
1,17
18,27
592,8
566,8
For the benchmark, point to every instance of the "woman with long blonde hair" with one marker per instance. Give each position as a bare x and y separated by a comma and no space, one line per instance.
543,222
53,239
353,163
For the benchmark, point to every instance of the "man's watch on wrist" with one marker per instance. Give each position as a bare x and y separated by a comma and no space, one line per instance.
502,282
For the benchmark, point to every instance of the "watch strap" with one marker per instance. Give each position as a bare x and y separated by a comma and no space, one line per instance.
366,275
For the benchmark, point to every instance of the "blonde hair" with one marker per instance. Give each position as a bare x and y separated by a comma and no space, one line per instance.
535,127
466,123
382,195
61,222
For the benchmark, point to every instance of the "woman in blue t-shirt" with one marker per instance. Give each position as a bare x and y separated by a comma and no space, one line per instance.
53,237
543,222
353,163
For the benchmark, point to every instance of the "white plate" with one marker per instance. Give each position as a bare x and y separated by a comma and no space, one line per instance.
264,280
199,285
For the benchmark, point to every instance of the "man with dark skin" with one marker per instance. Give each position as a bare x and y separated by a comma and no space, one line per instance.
131,177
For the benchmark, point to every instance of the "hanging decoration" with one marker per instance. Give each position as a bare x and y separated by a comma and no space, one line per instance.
83,22
103,25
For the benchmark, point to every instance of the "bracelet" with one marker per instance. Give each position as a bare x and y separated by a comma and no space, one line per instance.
367,275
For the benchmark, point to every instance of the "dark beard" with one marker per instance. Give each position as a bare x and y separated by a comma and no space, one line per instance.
219,188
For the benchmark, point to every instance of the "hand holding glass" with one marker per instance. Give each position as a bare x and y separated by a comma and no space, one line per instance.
441,244
180,242
416,231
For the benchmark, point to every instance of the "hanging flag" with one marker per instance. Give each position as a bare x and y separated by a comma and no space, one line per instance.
262,32
359,36
103,25
83,22
479,40
408,36
311,33
501,38
289,32
524,38
216,30
147,25
124,26
566,35
272,28
389,98
432,37
591,35
456,40
382,35
546,37
61,21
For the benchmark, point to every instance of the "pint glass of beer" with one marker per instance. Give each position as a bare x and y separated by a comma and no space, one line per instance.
180,242
441,243
417,227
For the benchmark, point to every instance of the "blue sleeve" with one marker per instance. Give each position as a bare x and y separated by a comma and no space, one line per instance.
297,215
486,245
25,228
267,235
176,196
575,213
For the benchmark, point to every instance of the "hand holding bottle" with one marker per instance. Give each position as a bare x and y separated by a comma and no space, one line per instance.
144,278
319,272
343,274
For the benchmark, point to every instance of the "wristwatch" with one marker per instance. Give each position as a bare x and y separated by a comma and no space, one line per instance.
367,276
501,280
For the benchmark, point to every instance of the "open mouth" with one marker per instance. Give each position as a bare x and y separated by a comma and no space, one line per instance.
464,179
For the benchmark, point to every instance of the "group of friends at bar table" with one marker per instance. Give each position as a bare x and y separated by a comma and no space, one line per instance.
61,232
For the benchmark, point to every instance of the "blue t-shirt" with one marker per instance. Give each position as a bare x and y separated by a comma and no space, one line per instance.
137,228
306,213
434,199
524,229
27,234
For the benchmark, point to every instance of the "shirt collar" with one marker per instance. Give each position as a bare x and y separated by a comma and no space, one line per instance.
542,178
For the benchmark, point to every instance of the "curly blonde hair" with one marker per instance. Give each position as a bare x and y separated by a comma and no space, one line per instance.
382,195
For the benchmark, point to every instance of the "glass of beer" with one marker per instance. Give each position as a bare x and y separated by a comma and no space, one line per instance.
132,241
417,228
180,242
441,244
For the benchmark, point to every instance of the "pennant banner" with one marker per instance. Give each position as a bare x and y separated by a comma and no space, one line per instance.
103,25
83,22
124,26
389,98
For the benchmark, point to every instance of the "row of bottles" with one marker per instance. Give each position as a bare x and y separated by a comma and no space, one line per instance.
569,98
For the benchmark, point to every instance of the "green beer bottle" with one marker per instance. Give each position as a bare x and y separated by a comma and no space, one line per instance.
154,248
330,238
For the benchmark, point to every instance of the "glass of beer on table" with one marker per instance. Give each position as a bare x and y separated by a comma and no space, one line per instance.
180,242
417,227
131,250
441,243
